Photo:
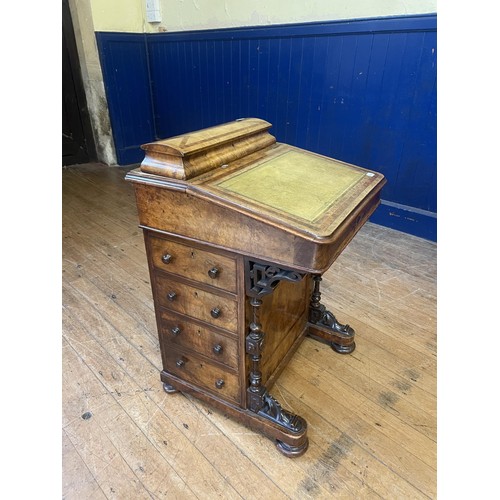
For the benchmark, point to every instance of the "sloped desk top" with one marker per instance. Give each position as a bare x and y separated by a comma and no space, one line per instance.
264,190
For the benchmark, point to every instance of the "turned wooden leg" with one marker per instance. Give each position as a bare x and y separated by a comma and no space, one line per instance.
290,430
324,327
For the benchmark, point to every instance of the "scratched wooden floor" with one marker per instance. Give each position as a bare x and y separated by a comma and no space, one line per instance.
371,414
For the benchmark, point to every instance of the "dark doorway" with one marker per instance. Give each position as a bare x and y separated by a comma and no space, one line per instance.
77,140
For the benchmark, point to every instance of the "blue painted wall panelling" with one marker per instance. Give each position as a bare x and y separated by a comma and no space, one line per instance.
124,64
361,91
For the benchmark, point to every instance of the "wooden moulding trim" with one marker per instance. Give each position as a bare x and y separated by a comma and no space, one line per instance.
139,177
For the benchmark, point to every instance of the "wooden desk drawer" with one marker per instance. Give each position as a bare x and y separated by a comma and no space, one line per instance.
198,265
203,374
179,331
185,299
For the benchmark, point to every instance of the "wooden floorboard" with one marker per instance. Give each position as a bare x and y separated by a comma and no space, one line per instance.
371,414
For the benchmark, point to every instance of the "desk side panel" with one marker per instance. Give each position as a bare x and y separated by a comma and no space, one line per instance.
283,316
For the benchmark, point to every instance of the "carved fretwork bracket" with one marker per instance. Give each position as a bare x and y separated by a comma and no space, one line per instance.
272,410
262,278
323,325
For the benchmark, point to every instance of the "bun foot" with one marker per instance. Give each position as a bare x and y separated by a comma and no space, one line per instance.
343,349
292,451
168,388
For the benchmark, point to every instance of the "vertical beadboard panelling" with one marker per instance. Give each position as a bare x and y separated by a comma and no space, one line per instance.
414,185
379,100
124,64
358,113
315,111
362,91
304,94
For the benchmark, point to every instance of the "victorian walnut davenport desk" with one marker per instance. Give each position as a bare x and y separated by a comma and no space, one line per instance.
238,230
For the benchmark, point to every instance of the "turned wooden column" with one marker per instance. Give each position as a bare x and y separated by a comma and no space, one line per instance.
324,327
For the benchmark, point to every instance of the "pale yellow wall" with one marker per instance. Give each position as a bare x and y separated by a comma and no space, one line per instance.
181,15
119,15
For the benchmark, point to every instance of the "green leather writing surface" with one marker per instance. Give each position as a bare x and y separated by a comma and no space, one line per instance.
300,184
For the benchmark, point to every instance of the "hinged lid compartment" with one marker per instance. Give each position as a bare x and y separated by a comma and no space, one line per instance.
189,155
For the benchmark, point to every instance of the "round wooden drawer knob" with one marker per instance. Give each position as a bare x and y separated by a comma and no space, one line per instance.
166,259
215,312
219,383
171,296
213,273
